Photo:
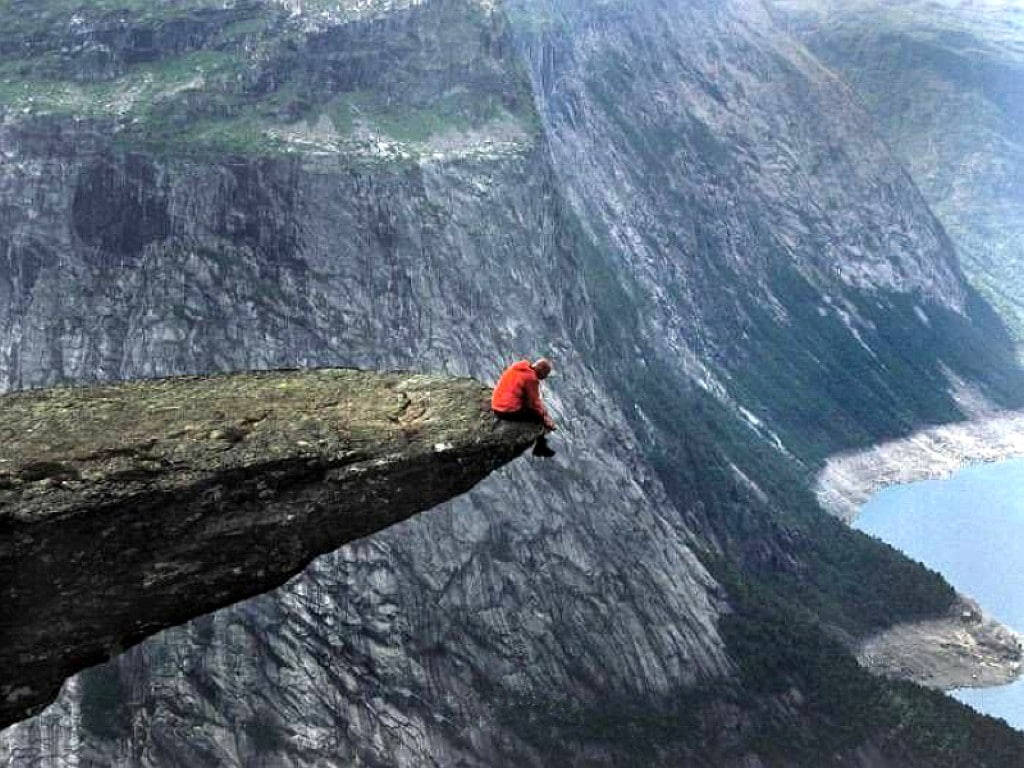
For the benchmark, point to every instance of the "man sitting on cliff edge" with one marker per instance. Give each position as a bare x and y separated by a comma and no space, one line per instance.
517,398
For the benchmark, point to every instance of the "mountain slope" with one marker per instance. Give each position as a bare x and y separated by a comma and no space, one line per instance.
690,214
945,82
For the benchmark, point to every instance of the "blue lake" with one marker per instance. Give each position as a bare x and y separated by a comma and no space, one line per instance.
970,528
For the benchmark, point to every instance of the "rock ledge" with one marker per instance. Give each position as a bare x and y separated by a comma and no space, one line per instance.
128,508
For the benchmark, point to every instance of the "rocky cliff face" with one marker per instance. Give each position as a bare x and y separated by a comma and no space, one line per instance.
205,491
945,83
683,208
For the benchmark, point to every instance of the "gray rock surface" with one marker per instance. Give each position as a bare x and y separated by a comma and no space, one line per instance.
945,82
963,650
675,201
205,491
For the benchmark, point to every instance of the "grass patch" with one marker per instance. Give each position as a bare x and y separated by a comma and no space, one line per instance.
456,111
255,71
143,90
238,137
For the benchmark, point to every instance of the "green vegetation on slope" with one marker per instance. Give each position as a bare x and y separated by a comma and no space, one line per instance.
103,701
801,583
909,344
455,111
779,652
194,77
798,699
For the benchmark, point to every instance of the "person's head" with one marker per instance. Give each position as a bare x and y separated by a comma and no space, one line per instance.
542,368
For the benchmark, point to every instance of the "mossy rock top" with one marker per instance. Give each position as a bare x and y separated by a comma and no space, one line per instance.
172,432
127,508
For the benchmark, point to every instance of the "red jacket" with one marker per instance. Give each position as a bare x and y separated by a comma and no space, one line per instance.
518,390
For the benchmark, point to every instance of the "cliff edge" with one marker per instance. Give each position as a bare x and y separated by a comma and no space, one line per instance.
128,508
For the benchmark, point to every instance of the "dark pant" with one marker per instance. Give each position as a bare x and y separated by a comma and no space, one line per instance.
528,417
541,447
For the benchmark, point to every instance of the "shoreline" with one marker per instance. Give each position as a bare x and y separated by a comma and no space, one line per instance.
964,649
850,479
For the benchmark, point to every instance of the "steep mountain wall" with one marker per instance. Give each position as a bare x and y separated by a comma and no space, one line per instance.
945,83
670,198
768,246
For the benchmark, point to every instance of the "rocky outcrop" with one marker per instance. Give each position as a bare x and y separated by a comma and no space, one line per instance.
128,508
962,650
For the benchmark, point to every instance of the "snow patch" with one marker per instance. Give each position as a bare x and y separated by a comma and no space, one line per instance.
754,487
848,322
759,427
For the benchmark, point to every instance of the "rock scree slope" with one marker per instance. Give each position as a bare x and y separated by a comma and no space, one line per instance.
128,508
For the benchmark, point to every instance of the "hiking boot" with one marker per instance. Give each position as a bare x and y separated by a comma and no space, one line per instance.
541,448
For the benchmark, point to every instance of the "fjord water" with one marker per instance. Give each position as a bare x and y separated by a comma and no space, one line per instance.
970,528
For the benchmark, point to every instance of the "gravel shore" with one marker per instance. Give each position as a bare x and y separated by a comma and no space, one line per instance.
964,649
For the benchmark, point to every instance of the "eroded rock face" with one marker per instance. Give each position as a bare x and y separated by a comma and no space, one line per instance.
945,82
669,197
129,508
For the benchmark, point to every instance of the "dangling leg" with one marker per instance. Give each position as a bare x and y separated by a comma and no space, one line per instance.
541,448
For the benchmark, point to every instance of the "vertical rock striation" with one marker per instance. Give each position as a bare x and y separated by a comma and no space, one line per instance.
678,204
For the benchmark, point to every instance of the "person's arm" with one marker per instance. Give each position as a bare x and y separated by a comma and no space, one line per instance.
536,404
